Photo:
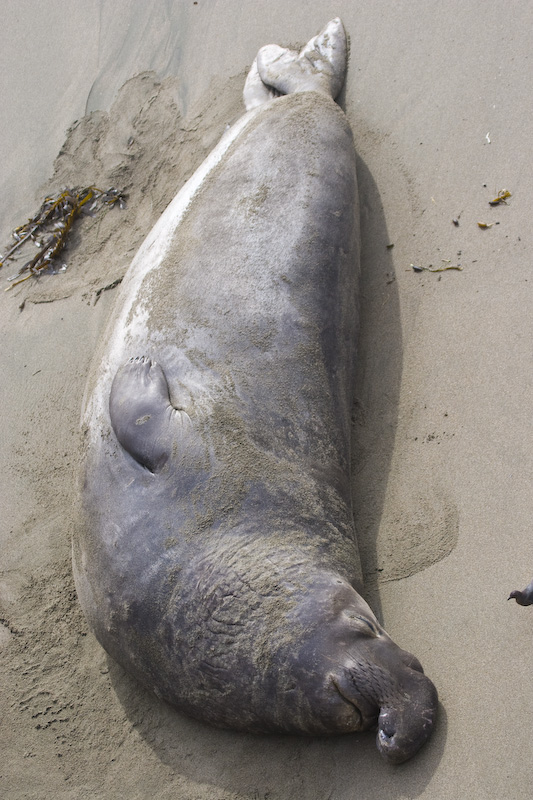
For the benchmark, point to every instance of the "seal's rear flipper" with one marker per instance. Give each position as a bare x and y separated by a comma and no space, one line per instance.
320,67
255,92
141,413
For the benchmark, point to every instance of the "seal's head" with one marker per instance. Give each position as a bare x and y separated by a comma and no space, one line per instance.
376,681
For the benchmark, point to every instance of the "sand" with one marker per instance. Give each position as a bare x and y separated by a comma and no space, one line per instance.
438,95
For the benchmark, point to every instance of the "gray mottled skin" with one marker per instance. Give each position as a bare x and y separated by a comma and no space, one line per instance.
218,560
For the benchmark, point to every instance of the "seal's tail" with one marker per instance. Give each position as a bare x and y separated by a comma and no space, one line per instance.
319,67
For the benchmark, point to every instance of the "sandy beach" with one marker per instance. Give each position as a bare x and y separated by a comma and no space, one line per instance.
135,95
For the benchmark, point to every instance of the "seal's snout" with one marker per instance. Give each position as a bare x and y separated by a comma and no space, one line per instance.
388,747
406,724
387,686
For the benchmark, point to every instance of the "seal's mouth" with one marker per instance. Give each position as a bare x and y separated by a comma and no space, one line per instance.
403,709
388,740
366,713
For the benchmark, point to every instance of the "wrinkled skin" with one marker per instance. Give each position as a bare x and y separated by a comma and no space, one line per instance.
217,561
381,680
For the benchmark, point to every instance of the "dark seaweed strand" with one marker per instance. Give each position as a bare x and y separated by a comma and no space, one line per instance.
66,206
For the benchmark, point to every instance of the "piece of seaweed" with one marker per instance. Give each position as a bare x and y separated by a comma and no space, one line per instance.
50,226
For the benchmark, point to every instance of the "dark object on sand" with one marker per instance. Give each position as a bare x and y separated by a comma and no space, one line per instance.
524,597
500,198
218,561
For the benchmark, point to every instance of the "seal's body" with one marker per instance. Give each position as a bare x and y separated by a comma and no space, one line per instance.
218,560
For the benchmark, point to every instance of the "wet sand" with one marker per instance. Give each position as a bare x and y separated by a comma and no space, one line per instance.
438,96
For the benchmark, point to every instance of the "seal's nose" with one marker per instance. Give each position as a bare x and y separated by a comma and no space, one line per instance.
405,725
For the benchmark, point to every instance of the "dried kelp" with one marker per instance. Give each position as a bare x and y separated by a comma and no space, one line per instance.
50,226
500,198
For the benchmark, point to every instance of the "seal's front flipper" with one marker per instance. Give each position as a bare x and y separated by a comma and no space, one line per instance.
142,415
320,67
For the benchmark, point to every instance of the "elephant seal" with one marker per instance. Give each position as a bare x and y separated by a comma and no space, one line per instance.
217,559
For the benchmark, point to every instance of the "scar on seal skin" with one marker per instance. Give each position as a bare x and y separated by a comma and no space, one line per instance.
218,560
